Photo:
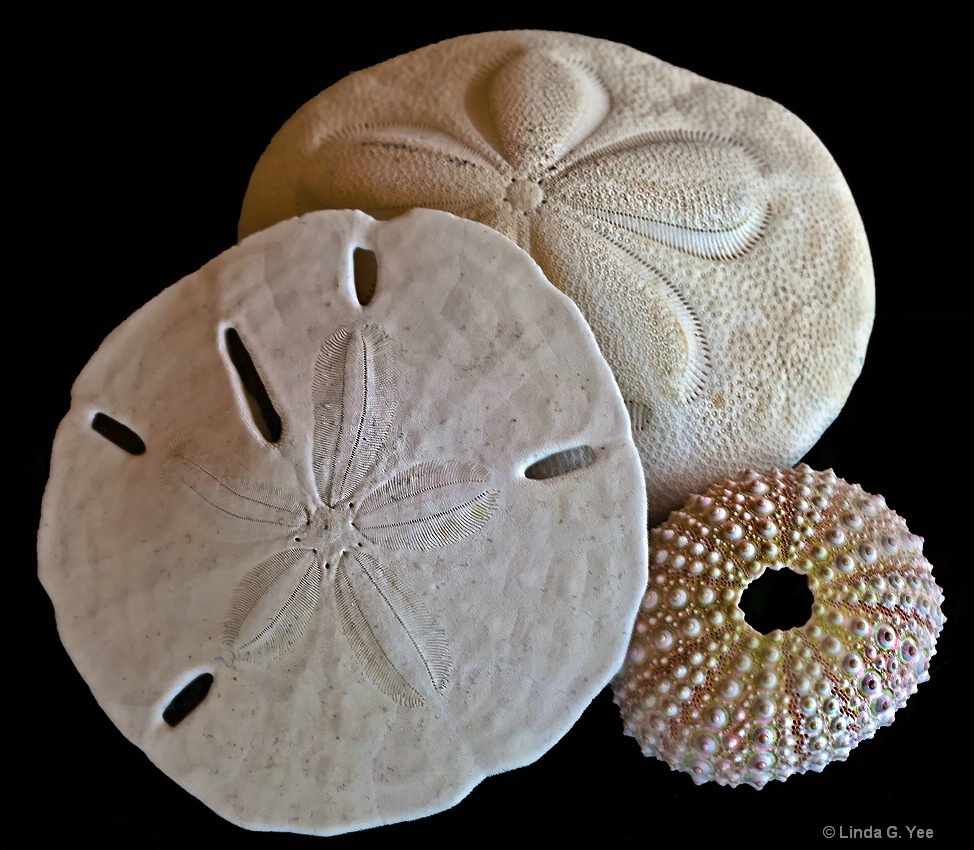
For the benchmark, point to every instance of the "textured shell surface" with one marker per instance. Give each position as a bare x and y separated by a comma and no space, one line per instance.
707,693
290,535
706,234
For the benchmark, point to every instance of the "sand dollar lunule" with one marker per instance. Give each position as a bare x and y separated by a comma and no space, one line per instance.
706,234
332,539
704,691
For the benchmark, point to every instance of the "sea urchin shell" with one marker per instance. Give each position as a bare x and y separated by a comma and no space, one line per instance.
705,692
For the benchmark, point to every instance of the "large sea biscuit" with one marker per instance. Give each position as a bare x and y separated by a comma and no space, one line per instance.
704,231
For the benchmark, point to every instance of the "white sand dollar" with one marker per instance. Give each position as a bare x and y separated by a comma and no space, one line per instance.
705,232
346,521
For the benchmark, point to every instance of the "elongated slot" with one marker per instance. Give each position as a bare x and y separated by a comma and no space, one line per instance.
365,270
262,410
115,432
561,463
188,699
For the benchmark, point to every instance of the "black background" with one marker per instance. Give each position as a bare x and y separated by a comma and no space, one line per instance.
146,137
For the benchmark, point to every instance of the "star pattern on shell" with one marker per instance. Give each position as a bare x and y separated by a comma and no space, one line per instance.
702,230
533,177
336,534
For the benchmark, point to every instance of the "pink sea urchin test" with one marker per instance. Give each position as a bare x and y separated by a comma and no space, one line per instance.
707,693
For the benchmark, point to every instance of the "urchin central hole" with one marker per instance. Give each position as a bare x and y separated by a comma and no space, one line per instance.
777,599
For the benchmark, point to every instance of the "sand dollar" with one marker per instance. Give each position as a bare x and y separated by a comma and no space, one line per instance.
346,521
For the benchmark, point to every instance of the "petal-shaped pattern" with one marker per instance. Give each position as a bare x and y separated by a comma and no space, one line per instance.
652,335
391,631
355,401
393,169
272,606
695,192
428,505
256,510
543,106
424,480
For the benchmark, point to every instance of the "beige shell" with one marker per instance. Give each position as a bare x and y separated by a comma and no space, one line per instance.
705,233
346,521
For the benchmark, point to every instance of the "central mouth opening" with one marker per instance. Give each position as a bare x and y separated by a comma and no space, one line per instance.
777,599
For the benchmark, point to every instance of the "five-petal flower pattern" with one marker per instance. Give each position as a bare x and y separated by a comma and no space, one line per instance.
335,535
705,233
540,173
